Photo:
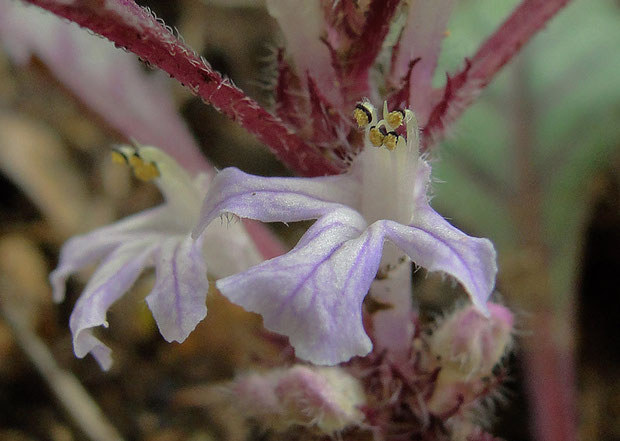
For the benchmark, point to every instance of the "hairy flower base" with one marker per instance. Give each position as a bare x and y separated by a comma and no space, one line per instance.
314,293
400,396
373,397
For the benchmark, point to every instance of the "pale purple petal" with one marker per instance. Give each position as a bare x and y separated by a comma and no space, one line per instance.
111,280
81,251
101,352
228,249
274,199
178,299
421,37
108,80
432,243
314,294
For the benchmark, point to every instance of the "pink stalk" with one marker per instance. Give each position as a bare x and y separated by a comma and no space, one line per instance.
550,379
463,88
548,356
137,30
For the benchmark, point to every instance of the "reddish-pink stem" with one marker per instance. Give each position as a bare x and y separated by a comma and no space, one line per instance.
550,380
136,29
548,356
463,88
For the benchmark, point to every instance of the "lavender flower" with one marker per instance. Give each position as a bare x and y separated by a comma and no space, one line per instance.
160,238
314,293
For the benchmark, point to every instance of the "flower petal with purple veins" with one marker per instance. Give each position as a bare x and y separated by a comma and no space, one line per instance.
178,299
81,251
111,280
432,243
314,293
274,199
160,238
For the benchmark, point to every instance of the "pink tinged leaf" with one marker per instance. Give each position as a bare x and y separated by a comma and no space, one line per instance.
274,199
400,98
303,25
529,17
84,250
111,280
329,127
336,60
178,299
365,49
345,21
432,243
290,105
421,38
314,293
442,113
136,29
108,80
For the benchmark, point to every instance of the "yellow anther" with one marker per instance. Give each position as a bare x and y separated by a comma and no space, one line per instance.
118,157
145,171
376,137
447,33
362,114
361,118
135,161
395,118
390,140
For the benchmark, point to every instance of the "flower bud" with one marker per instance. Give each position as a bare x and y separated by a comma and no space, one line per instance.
470,344
326,399
467,346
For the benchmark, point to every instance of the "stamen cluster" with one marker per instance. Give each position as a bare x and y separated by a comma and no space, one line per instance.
382,133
